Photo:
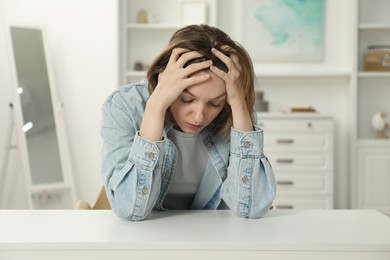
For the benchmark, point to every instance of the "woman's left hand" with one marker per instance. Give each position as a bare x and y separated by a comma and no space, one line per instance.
234,93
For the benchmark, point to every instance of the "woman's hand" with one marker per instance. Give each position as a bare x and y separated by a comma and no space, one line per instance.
234,93
242,119
175,78
171,83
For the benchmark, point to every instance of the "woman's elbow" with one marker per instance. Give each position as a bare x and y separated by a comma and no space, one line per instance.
127,211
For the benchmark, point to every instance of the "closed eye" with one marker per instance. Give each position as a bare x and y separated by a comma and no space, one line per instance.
186,100
216,105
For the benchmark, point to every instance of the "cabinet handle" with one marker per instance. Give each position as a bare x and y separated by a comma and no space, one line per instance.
289,183
285,207
285,160
285,141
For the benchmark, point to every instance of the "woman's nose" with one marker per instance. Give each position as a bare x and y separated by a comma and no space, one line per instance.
199,114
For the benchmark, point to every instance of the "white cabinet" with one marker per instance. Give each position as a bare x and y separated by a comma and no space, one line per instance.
300,150
141,42
374,175
373,86
370,173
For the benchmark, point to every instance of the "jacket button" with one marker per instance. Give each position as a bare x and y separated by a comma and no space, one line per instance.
150,155
145,190
245,179
247,144
210,145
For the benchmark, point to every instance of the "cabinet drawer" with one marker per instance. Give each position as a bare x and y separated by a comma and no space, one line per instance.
287,183
283,202
299,142
299,162
307,125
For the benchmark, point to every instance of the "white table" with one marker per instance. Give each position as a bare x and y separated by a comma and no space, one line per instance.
95,234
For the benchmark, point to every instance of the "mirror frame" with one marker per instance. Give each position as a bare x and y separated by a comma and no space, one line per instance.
47,189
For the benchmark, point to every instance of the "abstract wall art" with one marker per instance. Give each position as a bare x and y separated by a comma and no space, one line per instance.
284,30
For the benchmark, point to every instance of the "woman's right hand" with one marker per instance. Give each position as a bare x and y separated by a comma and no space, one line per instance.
171,83
175,78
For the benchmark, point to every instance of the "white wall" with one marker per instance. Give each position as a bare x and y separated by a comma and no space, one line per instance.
83,43
82,39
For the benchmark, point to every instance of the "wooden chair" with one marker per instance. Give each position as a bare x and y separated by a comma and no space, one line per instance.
100,203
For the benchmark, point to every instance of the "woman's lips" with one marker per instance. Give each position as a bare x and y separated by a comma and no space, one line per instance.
194,127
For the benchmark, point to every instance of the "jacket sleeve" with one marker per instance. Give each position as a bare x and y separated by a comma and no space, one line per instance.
130,164
250,187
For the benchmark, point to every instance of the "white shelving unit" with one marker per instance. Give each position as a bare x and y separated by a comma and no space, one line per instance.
373,28
371,163
152,36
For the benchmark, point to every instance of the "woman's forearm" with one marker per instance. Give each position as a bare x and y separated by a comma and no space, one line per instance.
242,120
153,121
250,187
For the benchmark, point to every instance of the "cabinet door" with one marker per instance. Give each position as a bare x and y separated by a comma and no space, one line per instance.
303,202
301,184
300,162
374,179
297,141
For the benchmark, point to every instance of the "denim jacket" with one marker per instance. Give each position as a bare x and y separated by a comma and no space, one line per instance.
137,173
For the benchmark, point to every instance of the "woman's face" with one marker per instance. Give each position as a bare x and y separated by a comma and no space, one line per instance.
198,105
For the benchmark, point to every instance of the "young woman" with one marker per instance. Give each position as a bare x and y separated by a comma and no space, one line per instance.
187,137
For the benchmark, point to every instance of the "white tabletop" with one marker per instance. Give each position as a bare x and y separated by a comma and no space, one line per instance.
318,230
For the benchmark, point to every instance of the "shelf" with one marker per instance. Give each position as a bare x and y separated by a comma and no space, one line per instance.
302,74
302,115
374,26
298,70
374,74
366,142
136,73
155,26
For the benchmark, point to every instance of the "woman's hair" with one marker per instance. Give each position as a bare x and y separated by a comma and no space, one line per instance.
202,38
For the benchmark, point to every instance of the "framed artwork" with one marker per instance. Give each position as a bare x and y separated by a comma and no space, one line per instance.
283,30
193,12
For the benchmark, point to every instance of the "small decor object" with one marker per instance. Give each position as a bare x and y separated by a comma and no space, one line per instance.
138,66
260,103
152,19
142,16
380,122
193,12
303,109
377,58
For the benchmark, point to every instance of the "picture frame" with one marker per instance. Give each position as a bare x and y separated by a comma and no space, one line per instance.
193,12
276,31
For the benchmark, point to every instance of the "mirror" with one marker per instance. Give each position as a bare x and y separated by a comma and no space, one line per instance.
37,108
41,139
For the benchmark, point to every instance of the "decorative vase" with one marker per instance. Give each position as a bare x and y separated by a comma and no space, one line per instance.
380,122
142,16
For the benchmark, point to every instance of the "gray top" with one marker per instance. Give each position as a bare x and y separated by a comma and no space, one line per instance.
190,166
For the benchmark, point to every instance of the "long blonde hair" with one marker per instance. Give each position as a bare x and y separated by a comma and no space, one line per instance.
202,38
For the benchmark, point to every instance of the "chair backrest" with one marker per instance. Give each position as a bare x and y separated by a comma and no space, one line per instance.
101,202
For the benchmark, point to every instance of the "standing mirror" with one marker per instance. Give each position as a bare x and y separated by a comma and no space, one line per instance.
38,121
